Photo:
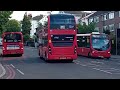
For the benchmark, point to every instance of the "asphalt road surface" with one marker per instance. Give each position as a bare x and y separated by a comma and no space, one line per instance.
30,66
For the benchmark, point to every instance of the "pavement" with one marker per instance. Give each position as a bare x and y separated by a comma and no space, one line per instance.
115,56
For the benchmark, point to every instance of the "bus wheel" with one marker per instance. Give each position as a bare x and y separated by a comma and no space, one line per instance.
70,61
40,55
89,55
46,57
108,58
20,55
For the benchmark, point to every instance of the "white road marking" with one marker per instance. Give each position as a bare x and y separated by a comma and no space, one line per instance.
12,66
102,70
20,71
97,62
4,71
83,65
6,65
93,64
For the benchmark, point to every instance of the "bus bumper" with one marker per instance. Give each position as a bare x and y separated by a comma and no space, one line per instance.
7,52
101,54
60,57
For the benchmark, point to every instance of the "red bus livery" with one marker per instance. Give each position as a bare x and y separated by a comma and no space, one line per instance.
58,40
94,45
12,43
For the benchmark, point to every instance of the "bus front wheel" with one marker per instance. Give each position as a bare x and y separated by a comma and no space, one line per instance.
89,55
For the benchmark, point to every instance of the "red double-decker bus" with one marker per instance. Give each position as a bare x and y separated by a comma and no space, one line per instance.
58,40
12,43
94,45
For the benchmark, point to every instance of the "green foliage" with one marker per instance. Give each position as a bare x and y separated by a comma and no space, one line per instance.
26,37
86,28
40,26
26,24
13,26
4,18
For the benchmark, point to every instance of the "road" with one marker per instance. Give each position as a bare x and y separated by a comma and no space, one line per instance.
30,66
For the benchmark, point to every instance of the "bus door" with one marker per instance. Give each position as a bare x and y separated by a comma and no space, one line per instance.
86,45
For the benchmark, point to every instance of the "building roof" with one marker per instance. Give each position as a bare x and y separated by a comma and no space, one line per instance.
99,13
78,13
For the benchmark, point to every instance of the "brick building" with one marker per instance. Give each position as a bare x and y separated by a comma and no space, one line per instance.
106,20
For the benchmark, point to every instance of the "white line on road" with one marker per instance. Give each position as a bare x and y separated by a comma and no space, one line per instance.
20,71
83,65
102,70
97,62
4,71
12,66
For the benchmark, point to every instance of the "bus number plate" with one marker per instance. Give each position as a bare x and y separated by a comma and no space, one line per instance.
62,57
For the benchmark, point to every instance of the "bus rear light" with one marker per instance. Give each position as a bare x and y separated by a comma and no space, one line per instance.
21,48
108,52
3,48
49,49
75,49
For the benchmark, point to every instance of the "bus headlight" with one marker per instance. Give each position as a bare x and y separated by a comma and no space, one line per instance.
108,52
93,51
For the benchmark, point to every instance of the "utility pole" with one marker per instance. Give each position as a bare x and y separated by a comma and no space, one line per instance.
116,41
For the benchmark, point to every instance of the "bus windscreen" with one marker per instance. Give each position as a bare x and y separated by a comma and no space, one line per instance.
62,22
12,37
100,42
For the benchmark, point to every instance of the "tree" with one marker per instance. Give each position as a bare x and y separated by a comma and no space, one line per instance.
4,18
13,26
26,24
26,37
86,28
40,26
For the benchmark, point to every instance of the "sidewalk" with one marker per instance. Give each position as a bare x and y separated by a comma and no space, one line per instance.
2,70
115,56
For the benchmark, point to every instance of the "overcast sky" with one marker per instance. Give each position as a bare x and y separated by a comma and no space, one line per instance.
18,15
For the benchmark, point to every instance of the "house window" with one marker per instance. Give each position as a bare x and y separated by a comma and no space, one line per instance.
97,29
119,25
105,28
90,20
111,27
119,13
105,17
111,15
96,19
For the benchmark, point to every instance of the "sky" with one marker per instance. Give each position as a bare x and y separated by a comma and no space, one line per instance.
18,15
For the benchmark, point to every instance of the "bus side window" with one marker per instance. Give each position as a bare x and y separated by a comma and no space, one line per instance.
81,42
88,42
